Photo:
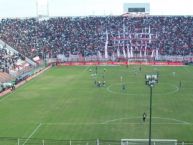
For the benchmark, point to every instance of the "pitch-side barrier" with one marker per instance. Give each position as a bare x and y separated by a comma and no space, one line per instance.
119,63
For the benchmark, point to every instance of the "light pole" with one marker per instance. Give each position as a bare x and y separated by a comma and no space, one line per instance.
150,80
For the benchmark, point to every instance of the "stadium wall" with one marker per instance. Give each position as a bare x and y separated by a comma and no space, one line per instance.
119,63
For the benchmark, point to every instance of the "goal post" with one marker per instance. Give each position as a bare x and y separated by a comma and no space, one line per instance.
141,59
146,141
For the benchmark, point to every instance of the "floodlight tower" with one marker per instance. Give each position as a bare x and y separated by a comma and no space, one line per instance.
150,80
42,9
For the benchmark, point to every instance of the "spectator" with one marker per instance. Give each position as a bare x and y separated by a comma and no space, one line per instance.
86,36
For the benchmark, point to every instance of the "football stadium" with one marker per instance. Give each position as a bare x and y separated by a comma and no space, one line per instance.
97,80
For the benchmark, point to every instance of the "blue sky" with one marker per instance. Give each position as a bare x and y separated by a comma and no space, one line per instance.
27,8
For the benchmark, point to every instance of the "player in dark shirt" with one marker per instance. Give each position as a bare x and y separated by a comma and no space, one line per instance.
180,85
144,116
123,87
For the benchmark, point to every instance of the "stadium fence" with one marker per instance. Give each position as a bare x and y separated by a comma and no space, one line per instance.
35,141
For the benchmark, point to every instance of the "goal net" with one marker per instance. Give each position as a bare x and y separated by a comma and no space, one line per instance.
141,59
146,141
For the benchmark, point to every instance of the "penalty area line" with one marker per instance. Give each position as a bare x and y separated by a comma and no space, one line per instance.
34,131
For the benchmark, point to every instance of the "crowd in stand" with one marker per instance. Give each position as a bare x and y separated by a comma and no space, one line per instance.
86,36
8,59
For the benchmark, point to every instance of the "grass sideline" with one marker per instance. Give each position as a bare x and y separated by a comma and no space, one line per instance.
67,104
40,71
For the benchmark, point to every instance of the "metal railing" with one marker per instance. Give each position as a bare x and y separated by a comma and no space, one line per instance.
35,141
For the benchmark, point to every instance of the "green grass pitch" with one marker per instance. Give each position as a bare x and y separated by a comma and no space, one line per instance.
63,103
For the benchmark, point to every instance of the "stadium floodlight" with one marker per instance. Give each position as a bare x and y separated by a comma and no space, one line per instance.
150,80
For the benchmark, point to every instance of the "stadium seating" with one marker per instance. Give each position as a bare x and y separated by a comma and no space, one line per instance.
10,64
5,77
85,36
8,59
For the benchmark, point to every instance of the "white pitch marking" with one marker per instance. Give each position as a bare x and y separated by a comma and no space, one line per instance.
70,123
113,121
176,89
34,131
172,119
6,96
184,122
134,123
3,98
